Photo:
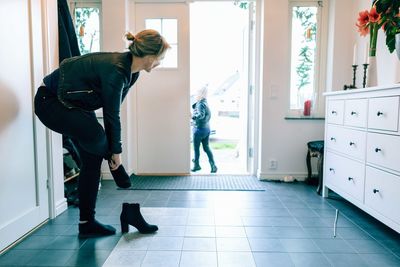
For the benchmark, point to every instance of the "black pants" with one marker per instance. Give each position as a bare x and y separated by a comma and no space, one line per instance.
69,145
202,136
92,143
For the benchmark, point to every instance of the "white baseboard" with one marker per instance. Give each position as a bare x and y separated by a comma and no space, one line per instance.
283,177
61,206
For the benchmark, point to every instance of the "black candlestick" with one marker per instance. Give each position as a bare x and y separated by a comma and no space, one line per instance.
365,74
352,86
354,75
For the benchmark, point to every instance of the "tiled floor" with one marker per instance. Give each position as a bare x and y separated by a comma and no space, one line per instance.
286,225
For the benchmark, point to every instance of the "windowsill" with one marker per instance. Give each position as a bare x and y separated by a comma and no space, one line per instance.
302,117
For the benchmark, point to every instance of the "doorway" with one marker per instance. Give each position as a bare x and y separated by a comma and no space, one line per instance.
220,58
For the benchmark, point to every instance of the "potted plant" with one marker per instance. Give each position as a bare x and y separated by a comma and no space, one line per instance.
389,11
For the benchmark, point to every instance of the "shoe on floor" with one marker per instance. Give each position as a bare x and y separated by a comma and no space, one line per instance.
95,229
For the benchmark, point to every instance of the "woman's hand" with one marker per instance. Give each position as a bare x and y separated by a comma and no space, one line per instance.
115,161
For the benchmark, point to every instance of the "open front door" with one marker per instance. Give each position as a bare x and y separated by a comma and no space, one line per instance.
162,96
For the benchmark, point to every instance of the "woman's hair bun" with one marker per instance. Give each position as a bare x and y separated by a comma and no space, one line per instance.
129,36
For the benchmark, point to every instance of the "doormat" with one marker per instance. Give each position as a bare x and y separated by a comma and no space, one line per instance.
197,182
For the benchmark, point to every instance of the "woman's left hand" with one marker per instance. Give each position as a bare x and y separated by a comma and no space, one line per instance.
115,161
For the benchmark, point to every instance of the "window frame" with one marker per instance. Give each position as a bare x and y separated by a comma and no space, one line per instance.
320,57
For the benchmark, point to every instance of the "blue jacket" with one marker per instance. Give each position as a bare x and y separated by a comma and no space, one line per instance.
201,114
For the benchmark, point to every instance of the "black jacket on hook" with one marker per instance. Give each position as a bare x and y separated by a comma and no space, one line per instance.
67,40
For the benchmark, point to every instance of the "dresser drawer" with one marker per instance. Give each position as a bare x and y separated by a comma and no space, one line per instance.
348,141
346,174
335,111
383,150
383,113
356,112
382,193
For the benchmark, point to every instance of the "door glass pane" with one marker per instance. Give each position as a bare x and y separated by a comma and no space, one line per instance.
154,24
169,29
171,58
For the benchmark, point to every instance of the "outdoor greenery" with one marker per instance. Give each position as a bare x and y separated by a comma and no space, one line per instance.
306,54
242,4
82,15
222,145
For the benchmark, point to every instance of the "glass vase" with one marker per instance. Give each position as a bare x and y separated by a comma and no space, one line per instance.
372,75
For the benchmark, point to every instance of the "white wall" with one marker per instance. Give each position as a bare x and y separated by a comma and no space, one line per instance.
282,140
343,36
387,64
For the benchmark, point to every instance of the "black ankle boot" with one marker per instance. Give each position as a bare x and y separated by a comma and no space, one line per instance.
131,215
121,178
95,229
213,168
196,166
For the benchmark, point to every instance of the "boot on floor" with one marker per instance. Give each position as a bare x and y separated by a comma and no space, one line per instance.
213,168
95,229
131,215
196,166
121,178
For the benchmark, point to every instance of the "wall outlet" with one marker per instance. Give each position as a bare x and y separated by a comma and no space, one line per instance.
273,164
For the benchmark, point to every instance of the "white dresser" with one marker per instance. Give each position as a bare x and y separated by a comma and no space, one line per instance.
362,150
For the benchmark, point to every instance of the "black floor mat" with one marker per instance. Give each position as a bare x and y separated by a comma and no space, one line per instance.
198,182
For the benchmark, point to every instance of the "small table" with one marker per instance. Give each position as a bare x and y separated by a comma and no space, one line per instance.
316,149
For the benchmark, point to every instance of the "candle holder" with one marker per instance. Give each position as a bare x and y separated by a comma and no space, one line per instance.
352,86
365,65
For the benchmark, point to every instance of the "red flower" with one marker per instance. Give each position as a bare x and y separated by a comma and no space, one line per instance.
363,22
373,16
363,17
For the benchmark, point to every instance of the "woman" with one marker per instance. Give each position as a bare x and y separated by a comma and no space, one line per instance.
66,101
201,130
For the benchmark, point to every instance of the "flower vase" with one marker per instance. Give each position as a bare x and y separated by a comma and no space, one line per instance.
398,45
397,72
372,76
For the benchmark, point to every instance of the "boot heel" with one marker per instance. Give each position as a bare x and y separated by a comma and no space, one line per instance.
124,227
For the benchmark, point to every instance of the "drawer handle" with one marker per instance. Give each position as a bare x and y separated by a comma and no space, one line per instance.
350,178
353,113
352,143
331,169
379,113
334,112
333,139
377,150
375,191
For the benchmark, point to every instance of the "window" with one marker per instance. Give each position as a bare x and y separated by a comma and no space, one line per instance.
305,71
169,29
86,17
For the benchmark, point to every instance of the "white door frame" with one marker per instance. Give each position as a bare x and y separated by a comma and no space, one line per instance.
254,141
53,141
